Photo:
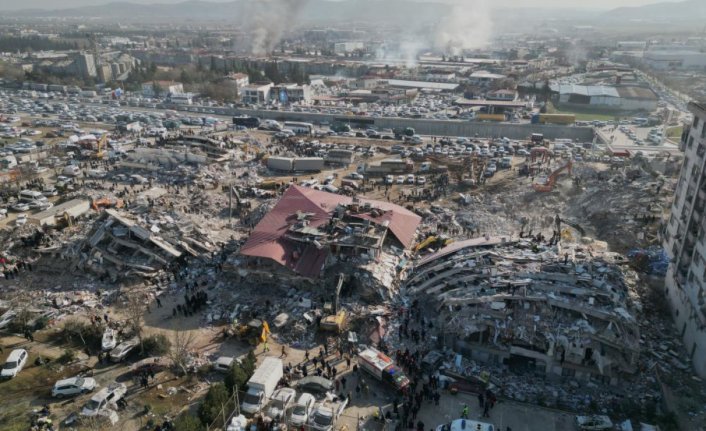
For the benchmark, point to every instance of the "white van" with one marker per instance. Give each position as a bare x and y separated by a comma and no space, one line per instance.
71,170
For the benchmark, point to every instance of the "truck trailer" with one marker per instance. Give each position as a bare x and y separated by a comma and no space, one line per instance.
262,384
383,368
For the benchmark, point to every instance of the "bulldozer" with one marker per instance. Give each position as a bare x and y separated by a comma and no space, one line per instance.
334,319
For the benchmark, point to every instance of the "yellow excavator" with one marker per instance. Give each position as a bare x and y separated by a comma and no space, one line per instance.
100,146
439,241
334,319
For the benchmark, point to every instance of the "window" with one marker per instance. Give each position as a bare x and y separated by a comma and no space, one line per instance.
696,122
691,142
703,132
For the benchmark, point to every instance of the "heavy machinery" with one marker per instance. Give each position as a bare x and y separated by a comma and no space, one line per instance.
541,153
549,185
334,320
254,332
100,146
106,202
433,240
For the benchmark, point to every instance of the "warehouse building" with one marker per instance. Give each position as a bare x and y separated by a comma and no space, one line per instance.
618,98
71,209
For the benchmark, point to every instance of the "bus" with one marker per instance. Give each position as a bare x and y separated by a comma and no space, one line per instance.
249,122
299,128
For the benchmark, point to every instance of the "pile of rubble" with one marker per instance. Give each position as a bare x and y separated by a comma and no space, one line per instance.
566,315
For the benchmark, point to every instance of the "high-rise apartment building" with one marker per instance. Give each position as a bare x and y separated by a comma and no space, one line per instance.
685,243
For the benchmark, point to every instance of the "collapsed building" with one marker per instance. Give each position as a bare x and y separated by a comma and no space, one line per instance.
553,310
120,244
309,231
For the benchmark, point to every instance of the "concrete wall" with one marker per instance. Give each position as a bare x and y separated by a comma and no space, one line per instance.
440,128
422,126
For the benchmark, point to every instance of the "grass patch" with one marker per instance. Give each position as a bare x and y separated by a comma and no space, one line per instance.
582,116
675,132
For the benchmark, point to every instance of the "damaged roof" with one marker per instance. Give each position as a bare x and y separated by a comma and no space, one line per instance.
268,239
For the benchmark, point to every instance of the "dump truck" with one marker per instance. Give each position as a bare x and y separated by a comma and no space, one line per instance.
262,384
383,368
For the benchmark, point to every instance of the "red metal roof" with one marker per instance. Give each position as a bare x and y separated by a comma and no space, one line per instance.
268,238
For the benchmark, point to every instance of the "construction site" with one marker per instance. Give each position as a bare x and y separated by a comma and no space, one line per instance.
528,274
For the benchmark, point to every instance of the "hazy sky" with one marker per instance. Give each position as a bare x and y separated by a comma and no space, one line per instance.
605,4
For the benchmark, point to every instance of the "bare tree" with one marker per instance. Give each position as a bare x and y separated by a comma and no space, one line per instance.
182,344
135,313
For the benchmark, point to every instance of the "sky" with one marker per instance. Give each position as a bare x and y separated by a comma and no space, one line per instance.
594,4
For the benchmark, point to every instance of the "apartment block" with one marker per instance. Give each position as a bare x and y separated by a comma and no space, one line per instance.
685,242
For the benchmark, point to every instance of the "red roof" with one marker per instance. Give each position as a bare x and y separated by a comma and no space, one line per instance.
268,238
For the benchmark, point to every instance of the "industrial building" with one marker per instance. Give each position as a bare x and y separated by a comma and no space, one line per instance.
685,242
618,98
66,211
256,93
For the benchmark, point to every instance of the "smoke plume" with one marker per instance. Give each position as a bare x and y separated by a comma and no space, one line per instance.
268,21
468,25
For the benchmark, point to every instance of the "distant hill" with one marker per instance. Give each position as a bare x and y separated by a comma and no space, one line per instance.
397,11
689,10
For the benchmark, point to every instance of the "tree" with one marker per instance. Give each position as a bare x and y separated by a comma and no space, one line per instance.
241,372
213,403
182,344
187,422
135,312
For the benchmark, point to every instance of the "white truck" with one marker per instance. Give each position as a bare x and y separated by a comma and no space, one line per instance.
326,414
262,384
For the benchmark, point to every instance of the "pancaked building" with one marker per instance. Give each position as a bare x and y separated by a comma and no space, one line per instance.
503,303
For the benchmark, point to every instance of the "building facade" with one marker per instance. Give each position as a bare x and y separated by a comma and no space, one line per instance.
685,242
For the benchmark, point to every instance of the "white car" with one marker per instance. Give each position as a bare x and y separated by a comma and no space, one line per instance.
14,363
73,386
223,364
421,180
389,179
50,191
21,220
400,179
121,351
280,403
594,423
104,398
410,179
20,207
302,410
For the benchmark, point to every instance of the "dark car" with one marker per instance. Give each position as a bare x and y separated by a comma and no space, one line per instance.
315,384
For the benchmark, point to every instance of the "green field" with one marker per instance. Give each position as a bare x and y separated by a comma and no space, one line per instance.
581,116
675,132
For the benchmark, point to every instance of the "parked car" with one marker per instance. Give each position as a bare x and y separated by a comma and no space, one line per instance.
223,364
73,386
20,207
280,403
594,423
21,220
14,363
302,410
104,398
315,384
121,351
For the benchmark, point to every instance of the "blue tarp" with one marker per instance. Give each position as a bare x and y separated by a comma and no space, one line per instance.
652,260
